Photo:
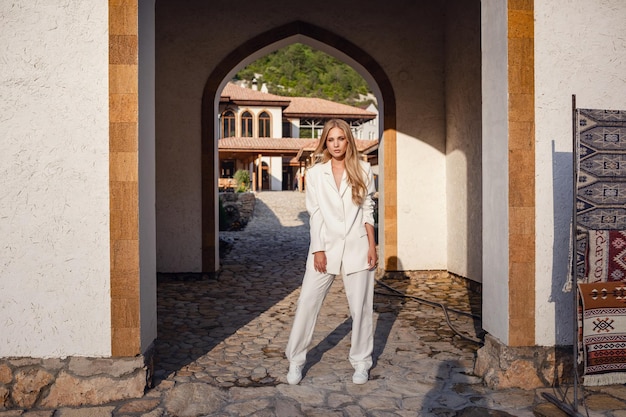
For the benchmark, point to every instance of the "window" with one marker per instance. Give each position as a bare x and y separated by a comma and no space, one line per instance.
228,124
228,169
264,125
311,128
287,129
246,124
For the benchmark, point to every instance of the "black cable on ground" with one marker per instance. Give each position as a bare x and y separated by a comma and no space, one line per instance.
444,308
563,405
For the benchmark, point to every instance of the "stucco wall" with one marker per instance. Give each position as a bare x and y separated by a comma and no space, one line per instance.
194,36
54,197
463,139
580,48
147,169
495,185
275,171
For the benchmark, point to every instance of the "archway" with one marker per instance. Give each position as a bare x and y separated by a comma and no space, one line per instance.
258,46
198,48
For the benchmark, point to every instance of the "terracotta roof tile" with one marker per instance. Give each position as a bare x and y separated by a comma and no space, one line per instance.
280,144
233,92
274,144
312,107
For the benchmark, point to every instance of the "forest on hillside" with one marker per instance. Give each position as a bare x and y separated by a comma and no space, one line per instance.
298,70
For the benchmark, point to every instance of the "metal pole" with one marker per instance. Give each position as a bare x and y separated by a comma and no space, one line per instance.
573,409
575,162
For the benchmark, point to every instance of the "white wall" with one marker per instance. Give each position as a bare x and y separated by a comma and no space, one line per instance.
54,169
463,139
295,128
275,171
495,169
147,192
580,48
277,122
370,130
178,160
422,238
417,72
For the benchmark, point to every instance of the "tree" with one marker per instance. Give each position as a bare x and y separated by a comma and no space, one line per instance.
298,70
243,180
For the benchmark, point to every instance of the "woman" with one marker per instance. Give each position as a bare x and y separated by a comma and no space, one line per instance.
339,201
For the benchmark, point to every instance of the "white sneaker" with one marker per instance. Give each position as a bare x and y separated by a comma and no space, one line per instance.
294,376
360,375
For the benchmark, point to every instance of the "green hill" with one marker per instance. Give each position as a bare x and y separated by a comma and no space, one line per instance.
298,70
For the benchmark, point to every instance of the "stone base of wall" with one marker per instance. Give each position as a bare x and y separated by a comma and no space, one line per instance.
503,367
73,381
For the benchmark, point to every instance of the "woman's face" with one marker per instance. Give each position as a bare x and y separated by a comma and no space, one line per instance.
337,143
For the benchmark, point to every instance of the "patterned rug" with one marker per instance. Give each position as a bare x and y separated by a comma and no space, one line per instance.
603,332
606,256
601,245
601,188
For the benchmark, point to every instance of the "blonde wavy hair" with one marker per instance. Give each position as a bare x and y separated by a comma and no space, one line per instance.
356,175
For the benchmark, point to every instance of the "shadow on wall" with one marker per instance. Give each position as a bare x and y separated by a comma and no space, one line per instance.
563,300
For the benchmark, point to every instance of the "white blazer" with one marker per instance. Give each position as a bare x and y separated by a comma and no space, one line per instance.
337,224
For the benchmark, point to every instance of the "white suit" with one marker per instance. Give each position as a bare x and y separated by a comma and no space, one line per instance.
337,224
337,228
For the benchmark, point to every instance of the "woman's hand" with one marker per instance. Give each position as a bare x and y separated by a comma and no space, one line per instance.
372,254
319,261
372,257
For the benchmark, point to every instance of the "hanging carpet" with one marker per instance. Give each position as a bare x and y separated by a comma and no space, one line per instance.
601,188
603,319
601,245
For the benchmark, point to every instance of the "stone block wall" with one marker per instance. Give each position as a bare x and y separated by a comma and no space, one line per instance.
530,367
70,382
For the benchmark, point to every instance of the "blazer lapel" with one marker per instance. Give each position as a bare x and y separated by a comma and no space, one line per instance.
344,184
328,175
330,178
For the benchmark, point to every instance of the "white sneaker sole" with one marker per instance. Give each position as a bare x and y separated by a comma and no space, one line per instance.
294,376
359,379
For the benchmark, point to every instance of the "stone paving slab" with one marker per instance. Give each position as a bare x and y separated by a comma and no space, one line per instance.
221,339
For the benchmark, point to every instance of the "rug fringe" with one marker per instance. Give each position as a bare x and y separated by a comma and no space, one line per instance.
612,378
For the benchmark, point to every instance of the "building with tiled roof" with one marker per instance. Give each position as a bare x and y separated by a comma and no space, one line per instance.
273,136
304,107
235,94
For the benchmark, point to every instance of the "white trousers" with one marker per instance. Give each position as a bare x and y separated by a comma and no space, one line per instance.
359,288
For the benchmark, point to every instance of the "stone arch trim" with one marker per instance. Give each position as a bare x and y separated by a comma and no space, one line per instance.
209,263
124,177
522,252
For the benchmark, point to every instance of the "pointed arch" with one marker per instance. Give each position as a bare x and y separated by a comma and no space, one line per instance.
246,124
228,123
264,124
258,46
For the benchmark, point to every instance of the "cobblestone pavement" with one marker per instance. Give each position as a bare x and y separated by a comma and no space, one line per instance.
220,342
